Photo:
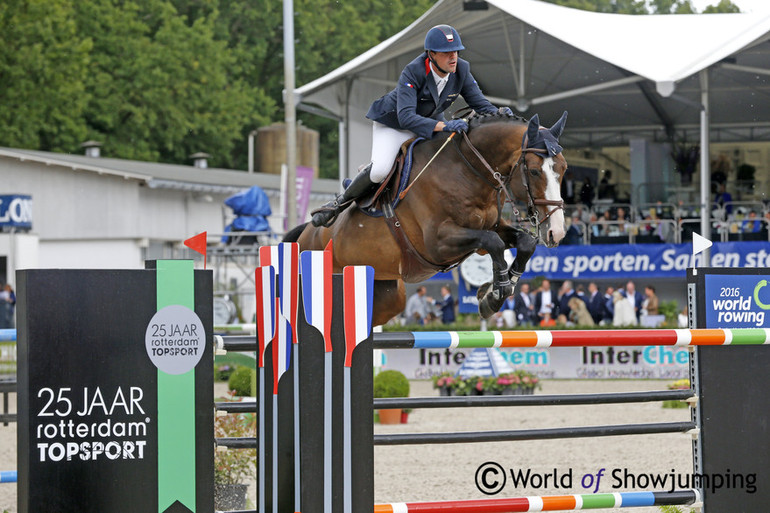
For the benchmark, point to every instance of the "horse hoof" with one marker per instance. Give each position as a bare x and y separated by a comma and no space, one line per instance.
482,295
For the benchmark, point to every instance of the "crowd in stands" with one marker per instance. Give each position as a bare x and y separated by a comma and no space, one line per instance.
578,306
599,216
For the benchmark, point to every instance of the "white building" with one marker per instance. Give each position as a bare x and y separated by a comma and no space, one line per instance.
99,213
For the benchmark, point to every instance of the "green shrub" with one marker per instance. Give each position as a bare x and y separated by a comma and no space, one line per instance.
240,381
391,383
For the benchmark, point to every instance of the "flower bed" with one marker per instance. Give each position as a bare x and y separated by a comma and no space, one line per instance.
519,382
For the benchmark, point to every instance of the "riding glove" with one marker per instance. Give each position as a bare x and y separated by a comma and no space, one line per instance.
505,110
456,125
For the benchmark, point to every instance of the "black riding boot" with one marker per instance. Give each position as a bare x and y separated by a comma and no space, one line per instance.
361,184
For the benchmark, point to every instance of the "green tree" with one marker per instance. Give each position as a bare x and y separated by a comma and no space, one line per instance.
724,6
43,64
161,87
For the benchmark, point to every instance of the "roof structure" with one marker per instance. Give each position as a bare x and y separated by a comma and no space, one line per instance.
619,76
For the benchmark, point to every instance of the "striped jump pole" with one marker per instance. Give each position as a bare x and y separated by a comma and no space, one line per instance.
570,338
7,335
317,270
265,311
547,503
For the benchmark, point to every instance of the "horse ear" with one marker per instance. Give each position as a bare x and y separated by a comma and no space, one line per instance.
532,129
558,127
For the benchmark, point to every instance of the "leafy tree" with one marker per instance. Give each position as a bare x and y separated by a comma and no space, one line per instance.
161,88
43,64
724,6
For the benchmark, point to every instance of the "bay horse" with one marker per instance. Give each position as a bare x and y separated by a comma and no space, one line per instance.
454,209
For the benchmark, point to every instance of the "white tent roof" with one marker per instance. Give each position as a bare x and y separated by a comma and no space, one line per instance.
619,76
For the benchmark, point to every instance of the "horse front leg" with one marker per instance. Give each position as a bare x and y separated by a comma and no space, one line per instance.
524,242
491,296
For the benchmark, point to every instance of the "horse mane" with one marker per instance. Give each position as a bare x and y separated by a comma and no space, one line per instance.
493,117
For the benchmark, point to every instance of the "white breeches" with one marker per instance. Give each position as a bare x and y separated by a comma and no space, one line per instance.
386,142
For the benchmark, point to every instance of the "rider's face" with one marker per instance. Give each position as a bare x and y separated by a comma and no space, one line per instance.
446,61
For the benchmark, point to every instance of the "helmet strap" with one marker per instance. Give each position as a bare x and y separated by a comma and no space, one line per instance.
435,63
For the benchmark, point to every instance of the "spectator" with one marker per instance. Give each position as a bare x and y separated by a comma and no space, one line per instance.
752,224
606,190
579,315
574,236
623,311
417,310
594,227
566,292
635,298
720,168
547,320
506,315
609,305
606,225
651,303
568,187
545,301
7,306
587,192
622,220
683,320
595,303
447,306
524,306
723,200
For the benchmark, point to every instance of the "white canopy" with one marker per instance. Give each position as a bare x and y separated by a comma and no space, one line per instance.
619,76
703,77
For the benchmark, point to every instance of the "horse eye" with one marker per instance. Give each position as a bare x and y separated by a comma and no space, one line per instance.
535,171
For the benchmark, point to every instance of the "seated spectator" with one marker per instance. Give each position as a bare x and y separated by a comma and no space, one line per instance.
752,224
621,217
605,224
574,234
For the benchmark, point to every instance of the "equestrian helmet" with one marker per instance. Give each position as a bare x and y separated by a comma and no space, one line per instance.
443,38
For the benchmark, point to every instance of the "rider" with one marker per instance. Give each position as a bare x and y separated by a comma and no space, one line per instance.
427,87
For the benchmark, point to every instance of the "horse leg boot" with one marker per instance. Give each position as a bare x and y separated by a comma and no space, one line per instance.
361,184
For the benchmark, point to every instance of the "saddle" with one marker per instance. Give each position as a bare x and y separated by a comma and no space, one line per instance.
397,179
382,203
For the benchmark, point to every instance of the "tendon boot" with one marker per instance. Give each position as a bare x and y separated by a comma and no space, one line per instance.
361,184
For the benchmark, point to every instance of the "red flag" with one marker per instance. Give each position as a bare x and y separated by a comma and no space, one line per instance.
198,244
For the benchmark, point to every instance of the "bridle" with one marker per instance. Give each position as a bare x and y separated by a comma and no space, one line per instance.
501,184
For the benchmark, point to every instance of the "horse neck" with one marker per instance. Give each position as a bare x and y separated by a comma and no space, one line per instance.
499,144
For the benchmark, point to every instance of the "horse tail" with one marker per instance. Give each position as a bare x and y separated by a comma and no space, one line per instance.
293,234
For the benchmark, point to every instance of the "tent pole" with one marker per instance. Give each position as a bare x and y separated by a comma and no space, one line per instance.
290,112
705,171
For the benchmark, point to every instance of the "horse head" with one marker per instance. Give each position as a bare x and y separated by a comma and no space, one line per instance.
542,169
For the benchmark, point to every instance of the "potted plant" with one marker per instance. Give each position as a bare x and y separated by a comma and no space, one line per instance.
507,384
234,469
528,382
390,383
444,382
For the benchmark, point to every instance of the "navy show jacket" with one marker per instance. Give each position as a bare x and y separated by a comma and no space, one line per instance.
415,104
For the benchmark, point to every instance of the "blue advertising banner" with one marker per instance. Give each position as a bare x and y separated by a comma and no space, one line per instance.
735,301
627,261
16,211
